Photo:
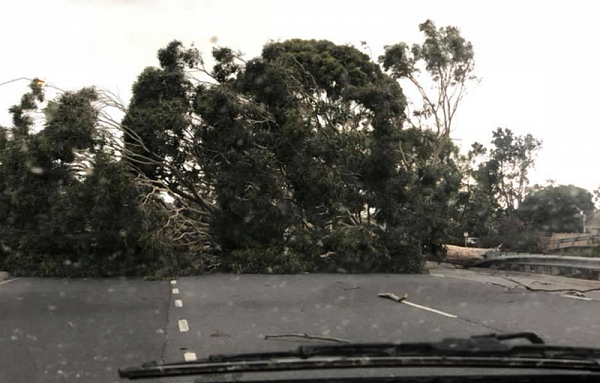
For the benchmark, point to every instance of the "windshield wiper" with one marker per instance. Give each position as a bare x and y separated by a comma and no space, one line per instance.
486,351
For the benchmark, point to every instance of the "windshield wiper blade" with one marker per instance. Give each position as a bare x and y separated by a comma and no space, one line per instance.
530,336
478,351
478,345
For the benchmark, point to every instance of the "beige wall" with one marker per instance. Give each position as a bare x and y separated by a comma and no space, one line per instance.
556,236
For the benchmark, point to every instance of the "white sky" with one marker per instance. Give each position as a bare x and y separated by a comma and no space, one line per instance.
538,60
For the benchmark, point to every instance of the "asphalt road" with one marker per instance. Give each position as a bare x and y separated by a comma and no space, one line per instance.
54,330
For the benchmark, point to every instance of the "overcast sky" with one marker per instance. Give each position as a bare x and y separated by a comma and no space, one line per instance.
538,60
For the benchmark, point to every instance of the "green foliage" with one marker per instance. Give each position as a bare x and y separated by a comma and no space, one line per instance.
443,50
513,235
319,148
495,206
56,219
226,65
494,184
355,249
158,112
70,124
447,59
22,121
556,209
505,170
299,159
265,260
298,152
174,262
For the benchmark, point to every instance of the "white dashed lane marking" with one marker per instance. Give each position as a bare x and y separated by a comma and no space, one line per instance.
429,309
576,297
190,357
438,275
183,326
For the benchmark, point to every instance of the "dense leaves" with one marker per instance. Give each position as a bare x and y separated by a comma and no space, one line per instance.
300,151
158,110
557,209
505,171
494,184
314,151
513,235
67,208
305,158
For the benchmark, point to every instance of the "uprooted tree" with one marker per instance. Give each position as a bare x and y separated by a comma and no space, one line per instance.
293,160
298,159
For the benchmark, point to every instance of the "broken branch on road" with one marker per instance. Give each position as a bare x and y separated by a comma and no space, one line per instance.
393,296
218,334
307,336
529,288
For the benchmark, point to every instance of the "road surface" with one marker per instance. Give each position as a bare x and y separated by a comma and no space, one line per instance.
55,330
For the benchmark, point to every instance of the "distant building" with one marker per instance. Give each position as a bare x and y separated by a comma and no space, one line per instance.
592,224
577,243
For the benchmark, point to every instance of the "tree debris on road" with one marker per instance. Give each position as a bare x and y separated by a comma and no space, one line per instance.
219,334
393,296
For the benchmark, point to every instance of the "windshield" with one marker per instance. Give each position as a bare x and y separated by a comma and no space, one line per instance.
187,178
